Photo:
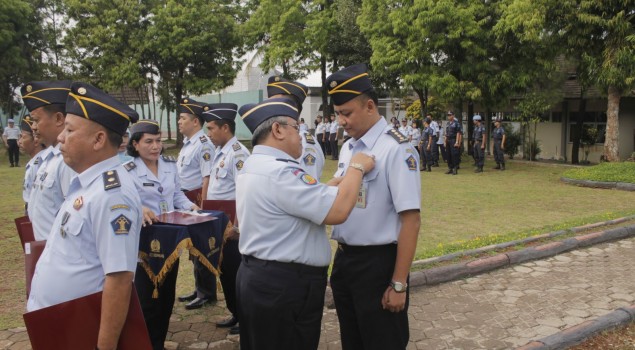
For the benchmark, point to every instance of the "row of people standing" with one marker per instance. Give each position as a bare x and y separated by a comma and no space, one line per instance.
326,131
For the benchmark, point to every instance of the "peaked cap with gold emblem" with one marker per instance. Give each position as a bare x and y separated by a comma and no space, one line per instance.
89,102
219,111
26,124
36,94
348,83
280,86
191,106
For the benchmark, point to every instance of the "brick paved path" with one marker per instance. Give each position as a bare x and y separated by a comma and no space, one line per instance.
498,310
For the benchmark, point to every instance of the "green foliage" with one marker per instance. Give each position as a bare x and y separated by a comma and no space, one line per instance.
17,50
608,172
513,141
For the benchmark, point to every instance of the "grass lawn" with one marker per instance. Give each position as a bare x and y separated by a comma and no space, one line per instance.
608,172
459,212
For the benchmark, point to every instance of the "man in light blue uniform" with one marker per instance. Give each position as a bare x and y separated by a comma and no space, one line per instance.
311,160
31,145
228,163
94,239
282,211
46,101
377,242
194,165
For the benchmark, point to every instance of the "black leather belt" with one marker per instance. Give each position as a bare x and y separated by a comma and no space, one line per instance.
288,266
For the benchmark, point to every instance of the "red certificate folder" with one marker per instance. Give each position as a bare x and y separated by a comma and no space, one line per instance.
32,252
183,219
74,325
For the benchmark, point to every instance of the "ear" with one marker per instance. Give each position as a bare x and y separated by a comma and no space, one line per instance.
276,131
59,119
101,140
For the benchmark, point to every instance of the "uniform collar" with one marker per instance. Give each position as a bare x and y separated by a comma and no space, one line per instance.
228,145
370,137
91,174
56,149
194,137
270,151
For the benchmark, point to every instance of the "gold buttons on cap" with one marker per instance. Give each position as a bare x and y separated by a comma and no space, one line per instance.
81,91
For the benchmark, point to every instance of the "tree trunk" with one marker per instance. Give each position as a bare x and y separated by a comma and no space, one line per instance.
487,119
470,128
611,144
178,93
422,101
326,109
579,126
167,112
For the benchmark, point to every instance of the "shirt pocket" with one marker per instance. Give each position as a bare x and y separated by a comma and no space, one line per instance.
49,181
70,243
369,183
221,173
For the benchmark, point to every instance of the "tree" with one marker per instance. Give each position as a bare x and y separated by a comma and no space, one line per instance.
191,47
17,50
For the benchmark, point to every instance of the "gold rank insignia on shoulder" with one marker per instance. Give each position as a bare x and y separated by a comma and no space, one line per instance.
121,225
399,137
111,180
79,202
236,146
37,161
169,159
129,166
310,139
203,139
239,164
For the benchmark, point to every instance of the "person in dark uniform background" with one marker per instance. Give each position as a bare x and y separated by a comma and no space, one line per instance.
453,141
427,143
282,212
376,244
499,144
480,138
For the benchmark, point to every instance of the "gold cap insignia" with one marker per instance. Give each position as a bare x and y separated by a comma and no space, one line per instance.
81,91
276,79
185,101
29,88
206,109
333,84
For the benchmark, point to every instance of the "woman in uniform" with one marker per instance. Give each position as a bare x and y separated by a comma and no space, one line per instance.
157,180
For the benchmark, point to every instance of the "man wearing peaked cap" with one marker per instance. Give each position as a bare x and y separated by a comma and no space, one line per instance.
371,298
453,143
97,226
312,161
194,165
228,163
29,144
282,211
46,102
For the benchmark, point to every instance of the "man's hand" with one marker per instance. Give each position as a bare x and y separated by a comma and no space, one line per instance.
393,301
148,216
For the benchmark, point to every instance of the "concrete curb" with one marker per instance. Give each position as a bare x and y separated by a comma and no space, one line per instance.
452,272
576,334
622,186
499,246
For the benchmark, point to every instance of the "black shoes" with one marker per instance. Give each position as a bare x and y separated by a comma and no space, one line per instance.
197,303
226,323
450,171
234,330
189,297
478,170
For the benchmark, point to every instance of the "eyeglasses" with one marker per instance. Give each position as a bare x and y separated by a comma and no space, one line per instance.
295,126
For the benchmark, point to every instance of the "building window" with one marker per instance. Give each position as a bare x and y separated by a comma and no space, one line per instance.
590,120
556,117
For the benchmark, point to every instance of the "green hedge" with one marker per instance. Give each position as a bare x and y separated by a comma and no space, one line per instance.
609,172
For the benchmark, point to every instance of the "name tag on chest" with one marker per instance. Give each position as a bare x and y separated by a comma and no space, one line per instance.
361,196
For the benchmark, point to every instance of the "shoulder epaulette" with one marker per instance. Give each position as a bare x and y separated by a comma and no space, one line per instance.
399,137
309,138
111,180
203,139
287,160
169,159
37,161
130,165
236,146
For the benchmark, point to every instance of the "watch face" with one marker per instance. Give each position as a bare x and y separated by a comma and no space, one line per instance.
398,287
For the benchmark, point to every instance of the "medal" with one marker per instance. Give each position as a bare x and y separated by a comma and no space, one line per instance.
79,201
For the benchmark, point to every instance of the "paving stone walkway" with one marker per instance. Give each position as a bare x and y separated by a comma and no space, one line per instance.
502,309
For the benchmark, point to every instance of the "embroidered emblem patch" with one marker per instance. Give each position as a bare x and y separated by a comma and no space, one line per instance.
121,225
236,147
310,139
308,179
206,156
309,159
155,246
411,162
239,164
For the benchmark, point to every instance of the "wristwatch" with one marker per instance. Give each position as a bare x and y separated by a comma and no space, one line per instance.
358,166
398,286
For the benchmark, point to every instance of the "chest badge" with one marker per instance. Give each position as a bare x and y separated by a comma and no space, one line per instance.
79,202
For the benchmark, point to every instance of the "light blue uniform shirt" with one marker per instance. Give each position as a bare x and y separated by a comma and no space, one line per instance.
160,193
391,187
229,161
312,158
95,233
281,209
195,160
49,191
30,171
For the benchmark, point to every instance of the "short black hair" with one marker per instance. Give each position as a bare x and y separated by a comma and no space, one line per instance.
130,147
370,95
230,123
114,138
55,108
